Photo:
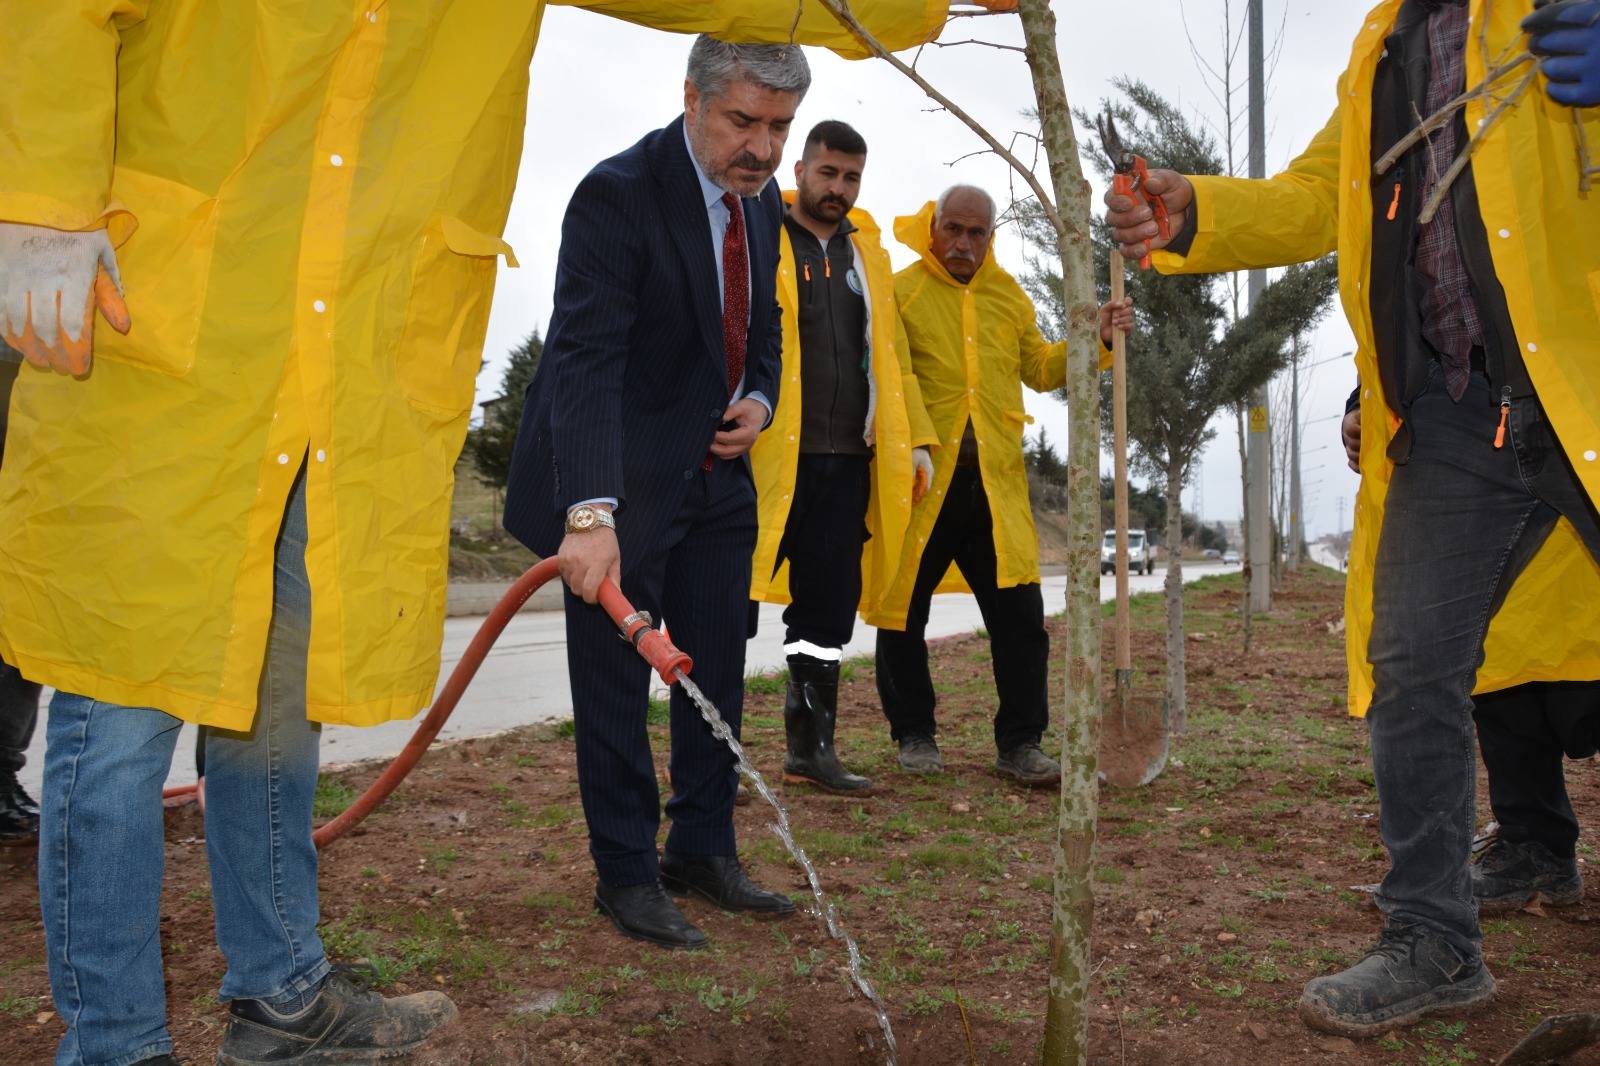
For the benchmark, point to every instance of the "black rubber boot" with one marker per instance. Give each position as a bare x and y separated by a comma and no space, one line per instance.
1410,973
810,711
19,815
345,1023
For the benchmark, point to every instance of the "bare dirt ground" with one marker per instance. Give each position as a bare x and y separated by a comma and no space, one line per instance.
1220,890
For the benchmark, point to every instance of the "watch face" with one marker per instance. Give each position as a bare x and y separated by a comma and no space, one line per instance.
583,518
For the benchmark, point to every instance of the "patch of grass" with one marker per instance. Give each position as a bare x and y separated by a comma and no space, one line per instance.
773,684
548,901
659,712
439,859
331,798
20,1007
925,1003
566,729
1109,875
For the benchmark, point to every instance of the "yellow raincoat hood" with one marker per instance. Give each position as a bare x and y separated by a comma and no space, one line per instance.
973,347
1542,236
899,425
308,200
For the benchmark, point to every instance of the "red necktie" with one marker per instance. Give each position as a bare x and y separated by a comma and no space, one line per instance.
735,291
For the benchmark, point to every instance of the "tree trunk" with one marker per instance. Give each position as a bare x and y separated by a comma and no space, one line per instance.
1244,527
1066,1033
1177,701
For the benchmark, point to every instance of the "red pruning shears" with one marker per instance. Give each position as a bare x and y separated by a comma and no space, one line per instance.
1131,172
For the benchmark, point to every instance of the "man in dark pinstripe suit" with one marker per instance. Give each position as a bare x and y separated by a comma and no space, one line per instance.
659,371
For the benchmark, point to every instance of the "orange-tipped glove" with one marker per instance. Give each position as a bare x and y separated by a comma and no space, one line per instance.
921,473
51,282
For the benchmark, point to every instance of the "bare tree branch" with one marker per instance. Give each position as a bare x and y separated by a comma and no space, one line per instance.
986,44
840,9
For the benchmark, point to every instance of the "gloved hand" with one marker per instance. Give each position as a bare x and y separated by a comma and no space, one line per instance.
1567,34
51,281
921,473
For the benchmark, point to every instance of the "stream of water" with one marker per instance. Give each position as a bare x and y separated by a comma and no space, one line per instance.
825,910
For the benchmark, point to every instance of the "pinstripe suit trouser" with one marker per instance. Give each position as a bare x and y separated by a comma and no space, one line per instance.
697,580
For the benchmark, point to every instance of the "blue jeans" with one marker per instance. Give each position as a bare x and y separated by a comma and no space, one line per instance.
101,845
1461,520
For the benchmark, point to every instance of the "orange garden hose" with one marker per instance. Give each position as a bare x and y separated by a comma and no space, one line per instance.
635,627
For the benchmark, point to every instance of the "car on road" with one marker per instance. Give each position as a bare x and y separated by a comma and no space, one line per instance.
1140,561
1230,558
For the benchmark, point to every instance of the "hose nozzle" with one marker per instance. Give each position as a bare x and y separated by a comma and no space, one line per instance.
638,629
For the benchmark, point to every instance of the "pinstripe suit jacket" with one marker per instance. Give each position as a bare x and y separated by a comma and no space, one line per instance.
633,380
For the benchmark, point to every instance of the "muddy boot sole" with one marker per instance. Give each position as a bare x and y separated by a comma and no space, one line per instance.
1458,997
799,777
1557,898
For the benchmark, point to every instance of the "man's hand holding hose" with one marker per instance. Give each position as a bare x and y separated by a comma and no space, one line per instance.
51,283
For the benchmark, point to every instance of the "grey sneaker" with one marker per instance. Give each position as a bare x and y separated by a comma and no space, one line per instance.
920,755
1028,764
1409,973
1513,874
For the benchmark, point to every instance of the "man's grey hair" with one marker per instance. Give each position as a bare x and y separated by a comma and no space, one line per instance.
713,64
944,198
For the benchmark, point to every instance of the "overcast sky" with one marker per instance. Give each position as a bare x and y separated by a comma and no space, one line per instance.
600,84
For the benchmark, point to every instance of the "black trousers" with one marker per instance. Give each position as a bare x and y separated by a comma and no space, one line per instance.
697,580
19,697
822,540
1525,734
964,534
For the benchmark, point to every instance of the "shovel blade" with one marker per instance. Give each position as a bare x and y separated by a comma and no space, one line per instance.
1553,1039
1133,739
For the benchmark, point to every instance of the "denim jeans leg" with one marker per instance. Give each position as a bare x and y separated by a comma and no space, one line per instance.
259,788
1459,524
100,866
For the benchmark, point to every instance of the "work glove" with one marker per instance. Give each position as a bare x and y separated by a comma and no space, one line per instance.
51,281
921,473
1567,34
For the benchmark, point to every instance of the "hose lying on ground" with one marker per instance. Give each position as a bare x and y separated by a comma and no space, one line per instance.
635,627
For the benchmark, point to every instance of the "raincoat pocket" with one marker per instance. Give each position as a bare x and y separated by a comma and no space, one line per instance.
1021,419
166,270
452,284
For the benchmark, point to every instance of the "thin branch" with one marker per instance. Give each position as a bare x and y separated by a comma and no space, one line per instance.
1443,188
969,155
840,9
986,44
1448,112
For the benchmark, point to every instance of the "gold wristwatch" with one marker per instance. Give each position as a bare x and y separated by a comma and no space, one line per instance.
585,519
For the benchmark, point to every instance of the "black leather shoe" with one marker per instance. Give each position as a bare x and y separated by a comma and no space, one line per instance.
719,879
644,912
345,1023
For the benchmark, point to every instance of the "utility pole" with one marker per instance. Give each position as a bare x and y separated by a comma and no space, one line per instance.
1297,531
1259,553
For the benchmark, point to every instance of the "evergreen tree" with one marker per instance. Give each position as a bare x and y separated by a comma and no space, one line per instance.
490,444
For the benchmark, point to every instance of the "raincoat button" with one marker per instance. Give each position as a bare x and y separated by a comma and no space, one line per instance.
1588,456
322,456
283,460
336,159
372,16
1533,347
791,436
318,306
1505,234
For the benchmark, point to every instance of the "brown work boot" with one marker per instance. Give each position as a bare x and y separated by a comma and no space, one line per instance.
1027,764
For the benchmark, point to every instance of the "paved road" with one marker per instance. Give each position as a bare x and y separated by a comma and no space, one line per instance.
524,679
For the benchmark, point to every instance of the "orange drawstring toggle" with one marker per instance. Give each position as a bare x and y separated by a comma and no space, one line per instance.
1394,206
807,270
827,268
1500,434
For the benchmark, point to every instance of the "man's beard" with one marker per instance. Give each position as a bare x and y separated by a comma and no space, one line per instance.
722,177
819,208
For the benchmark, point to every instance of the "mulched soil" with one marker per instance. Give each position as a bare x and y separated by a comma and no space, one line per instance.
1220,889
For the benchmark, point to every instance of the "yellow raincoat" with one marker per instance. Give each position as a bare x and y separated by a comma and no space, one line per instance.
899,424
1542,234
973,347
307,202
